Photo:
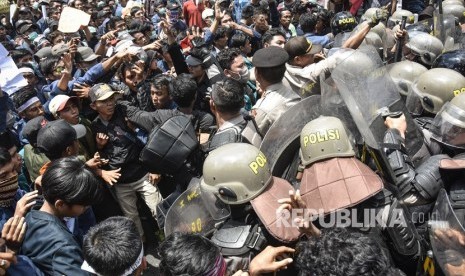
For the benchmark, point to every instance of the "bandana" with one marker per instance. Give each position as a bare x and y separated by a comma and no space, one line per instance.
86,267
27,104
8,188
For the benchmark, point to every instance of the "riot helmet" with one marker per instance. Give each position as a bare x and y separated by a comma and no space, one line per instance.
343,22
456,10
419,27
448,126
404,73
236,173
396,17
453,2
454,60
433,89
323,138
424,48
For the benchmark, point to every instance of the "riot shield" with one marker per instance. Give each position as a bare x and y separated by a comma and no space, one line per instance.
446,232
340,38
445,30
370,95
195,212
281,143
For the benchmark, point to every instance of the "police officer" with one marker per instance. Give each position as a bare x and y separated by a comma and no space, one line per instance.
332,178
276,98
239,175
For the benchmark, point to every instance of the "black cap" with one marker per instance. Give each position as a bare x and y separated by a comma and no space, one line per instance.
272,56
31,129
56,136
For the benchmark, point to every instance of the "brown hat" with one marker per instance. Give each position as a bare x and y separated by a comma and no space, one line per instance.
59,49
298,46
338,183
266,204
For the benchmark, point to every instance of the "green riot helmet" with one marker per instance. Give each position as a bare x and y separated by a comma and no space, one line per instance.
396,17
458,11
433,89
322,138
404,73
424,48
448,126
236,173
453,2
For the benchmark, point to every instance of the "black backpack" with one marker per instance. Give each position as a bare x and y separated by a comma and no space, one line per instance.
169,145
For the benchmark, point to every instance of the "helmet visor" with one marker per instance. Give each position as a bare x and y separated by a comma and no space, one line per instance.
413,103
449,126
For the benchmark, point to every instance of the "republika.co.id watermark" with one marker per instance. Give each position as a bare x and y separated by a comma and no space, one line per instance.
355,218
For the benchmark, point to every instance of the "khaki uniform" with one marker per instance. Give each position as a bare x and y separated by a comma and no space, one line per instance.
274,102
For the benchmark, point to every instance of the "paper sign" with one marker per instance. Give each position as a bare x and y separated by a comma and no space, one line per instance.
72,19
10,77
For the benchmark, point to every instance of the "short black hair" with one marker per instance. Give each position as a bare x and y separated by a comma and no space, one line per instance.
308,22
112,246
221,32
239,40
247,12
228,96
272,74
23,95
70,180
226,57
187,254
47,65
112,21
8,139
268,35
260,10
19,53
51,36
5,156
161,80
339,251
184,90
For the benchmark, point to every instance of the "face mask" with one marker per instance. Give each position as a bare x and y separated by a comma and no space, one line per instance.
9,187
32,36
244,75
162,11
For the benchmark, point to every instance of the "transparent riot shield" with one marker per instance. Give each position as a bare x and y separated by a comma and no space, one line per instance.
446,30
195,212
447,235
281,142
340,38
370,95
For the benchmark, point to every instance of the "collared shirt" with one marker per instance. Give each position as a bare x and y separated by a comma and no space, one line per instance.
276,99
230,123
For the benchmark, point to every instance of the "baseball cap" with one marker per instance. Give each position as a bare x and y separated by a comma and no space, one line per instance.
270,57
100,92
32,127
207,13
298,46
337,183
58,103
86,54
57,135
103,13
193,61
59,49
43,53
25,27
